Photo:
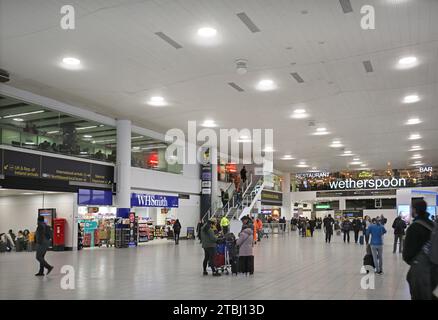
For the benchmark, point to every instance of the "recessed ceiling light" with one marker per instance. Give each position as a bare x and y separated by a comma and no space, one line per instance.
336,144
347,152
53,132
268,149
70,61
363,165
355,162
18,119
356,159
417,156
157,101
88,136
416,148
27,193
299,114
413,121
83,152
266,85
207,32
287,157
302,166
411,98
136,148
244,140
209,124
408,62
415,136
321,132
86,128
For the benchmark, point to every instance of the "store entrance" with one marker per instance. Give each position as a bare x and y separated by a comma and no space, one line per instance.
19,210
96,227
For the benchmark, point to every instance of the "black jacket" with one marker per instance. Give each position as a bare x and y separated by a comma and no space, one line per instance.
177,227
328,224
416,236
399,226
42,234
357,225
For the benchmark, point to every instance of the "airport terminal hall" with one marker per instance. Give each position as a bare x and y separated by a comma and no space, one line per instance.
221,156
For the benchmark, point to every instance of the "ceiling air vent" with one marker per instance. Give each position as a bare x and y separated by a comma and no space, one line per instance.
235,86
248,22
346,6
368,66
297,77
168,39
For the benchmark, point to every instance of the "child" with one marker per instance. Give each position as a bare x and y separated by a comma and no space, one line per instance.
368,260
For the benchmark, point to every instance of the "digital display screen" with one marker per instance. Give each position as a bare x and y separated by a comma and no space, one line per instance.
95,197
431,210
404,211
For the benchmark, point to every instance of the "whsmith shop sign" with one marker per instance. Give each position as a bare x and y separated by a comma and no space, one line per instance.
153,201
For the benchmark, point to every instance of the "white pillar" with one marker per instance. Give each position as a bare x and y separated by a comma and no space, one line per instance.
214,178
287,199
123,168
342,204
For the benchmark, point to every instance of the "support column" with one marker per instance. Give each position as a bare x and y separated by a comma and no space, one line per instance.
123,168
214,178
342,204
287,199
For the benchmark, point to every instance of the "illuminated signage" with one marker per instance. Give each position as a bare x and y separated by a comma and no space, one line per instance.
322,206
426,169
368,183
313,175
365,174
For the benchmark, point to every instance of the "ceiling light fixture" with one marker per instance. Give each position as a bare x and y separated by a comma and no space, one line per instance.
207,32
88,136
321,132
209,124
415,136
18,119
70,61
52,132
86,128
266,85
299,114
411,98
287,157
157,101
268,149
416,148
336,144
23,114
417,156
413,121
407,62
356,162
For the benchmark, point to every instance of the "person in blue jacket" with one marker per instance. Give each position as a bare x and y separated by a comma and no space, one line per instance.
376,231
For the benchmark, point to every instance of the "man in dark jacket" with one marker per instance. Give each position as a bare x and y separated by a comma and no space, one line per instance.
243,175
357,227
419,277
209,240
346,227
399,226
42,239
328,223
176,231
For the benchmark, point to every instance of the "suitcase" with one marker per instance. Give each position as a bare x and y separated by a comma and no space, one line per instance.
3,247
219,260
361,240
308,233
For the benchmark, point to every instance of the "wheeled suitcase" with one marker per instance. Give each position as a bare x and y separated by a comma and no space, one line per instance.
234,265
361,240
219,260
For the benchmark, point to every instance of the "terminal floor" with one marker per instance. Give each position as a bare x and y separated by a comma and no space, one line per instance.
286,267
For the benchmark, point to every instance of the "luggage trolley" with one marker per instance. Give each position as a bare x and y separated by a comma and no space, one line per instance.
226,255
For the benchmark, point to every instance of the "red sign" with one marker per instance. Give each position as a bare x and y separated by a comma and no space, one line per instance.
231,167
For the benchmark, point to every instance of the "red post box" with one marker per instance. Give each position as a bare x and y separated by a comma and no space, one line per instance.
59,234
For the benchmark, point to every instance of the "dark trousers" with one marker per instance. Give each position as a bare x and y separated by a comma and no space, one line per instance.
176,236
40,254
328,236
246,264
356,236
225,229
347,236
209,254
367,238
311,232
398,238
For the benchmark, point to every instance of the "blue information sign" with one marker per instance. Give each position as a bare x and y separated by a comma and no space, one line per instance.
157,201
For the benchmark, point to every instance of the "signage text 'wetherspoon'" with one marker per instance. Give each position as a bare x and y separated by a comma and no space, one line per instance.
368,183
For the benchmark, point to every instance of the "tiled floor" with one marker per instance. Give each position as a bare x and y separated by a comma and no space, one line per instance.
287,267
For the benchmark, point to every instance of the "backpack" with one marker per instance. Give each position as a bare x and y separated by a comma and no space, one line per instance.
430,248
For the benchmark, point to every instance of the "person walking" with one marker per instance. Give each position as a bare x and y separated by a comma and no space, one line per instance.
421,278
376,231
328,223
223,198
357,227
209,240
243,175
312,225
225,224
237,181
246,254
176,231
399,226
42,238
346,227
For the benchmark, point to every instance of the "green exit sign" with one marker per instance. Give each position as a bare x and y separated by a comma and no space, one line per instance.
322,206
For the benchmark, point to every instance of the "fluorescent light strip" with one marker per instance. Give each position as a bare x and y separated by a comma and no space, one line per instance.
86,128
23,114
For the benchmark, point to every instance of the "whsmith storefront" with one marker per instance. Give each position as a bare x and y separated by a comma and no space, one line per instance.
388,192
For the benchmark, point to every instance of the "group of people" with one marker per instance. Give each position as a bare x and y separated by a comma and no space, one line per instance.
21,241
239,181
